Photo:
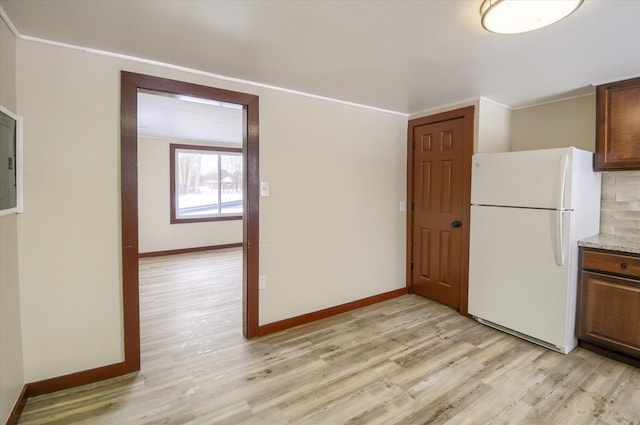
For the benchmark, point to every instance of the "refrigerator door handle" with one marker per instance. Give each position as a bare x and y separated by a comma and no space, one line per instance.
560,254
562,181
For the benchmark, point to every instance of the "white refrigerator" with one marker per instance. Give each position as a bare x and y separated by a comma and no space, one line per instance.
528,210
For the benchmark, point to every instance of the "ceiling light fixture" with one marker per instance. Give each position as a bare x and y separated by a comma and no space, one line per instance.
516,16
204,101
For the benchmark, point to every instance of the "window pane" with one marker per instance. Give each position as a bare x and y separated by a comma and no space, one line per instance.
208,183
197,184
231,184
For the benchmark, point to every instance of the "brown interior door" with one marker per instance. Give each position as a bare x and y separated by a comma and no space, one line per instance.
438,225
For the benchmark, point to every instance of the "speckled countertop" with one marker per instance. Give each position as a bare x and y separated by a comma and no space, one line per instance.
613,243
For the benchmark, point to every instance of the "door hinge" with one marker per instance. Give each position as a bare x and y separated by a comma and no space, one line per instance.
413,206
413,145
412,266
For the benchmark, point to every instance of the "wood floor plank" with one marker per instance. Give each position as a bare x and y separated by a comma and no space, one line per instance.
404,361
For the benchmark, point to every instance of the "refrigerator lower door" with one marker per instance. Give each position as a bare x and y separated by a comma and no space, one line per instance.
514,278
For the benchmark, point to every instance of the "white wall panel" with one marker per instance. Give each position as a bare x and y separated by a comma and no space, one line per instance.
331,230
11,365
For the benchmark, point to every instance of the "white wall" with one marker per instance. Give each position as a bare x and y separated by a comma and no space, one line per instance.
554,125
330,232
155,231
11,365
494,127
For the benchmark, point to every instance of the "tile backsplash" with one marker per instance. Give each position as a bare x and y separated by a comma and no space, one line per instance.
620,208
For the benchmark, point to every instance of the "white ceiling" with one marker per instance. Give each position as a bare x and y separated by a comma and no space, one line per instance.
189,119
404,56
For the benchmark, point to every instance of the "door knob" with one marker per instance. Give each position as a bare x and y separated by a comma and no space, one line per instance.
456,223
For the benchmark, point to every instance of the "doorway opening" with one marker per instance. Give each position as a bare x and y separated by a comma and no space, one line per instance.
131,85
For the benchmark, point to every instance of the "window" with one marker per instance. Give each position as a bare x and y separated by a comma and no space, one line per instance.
206,183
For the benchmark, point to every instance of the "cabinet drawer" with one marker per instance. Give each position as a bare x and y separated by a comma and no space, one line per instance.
612,263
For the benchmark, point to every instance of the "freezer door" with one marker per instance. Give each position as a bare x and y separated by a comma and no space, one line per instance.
514,277
531,179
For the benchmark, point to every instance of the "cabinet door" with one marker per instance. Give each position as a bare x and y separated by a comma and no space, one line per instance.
610,312
618,126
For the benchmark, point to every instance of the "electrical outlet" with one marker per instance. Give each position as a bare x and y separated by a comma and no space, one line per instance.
262,281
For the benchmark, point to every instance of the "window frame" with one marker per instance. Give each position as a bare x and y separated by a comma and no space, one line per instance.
174,219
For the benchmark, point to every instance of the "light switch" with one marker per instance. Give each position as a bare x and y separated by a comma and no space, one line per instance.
264,189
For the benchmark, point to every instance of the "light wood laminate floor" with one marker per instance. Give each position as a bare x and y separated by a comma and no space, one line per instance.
404,361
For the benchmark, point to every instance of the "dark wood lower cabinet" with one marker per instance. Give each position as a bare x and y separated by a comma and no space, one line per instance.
609,304
610,314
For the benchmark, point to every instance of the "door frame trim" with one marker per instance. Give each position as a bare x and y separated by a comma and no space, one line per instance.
467,114
130,83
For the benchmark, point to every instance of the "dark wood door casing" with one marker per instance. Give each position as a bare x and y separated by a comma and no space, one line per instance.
451,242
130,84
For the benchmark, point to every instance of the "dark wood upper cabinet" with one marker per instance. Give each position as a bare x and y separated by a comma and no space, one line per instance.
618,126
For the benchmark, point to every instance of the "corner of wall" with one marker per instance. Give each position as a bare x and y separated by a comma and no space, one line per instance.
11,354
494,126
565,123
7,67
